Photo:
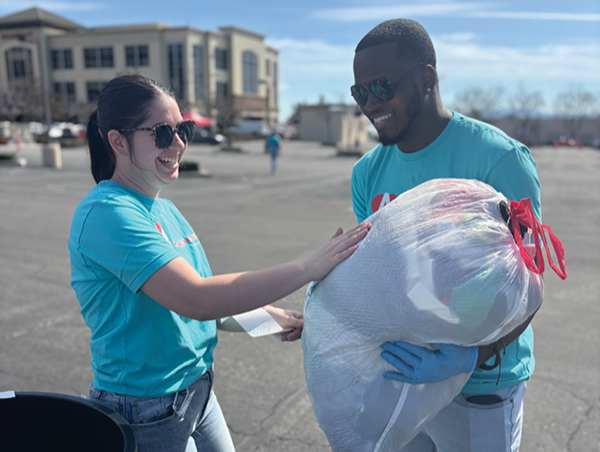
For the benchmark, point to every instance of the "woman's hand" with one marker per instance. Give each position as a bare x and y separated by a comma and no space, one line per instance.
287,319
338,248
179,287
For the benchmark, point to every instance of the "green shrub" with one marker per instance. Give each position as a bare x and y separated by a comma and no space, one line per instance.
188,165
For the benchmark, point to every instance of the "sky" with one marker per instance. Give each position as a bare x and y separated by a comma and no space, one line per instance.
548,46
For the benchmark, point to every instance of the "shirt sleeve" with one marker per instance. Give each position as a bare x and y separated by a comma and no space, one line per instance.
120,238
358,195
515,176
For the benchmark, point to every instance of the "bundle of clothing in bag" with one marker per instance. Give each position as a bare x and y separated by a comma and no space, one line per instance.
450,261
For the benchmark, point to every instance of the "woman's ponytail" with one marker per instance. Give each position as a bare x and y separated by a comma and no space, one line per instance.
101,155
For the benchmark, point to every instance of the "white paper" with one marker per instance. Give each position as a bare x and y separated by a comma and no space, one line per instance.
259,323
7,394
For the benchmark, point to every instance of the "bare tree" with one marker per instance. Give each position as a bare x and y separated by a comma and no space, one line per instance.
573,106
525,107
294,118
226,113
22,100
480,103
59,109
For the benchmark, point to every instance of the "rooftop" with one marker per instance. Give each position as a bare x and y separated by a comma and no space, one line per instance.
37,17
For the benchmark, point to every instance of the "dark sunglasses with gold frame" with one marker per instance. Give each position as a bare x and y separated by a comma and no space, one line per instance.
382,88
164,133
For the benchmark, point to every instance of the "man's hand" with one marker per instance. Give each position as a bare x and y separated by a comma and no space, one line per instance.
419,365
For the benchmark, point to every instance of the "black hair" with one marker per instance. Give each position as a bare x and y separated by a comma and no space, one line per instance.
124,103
412,41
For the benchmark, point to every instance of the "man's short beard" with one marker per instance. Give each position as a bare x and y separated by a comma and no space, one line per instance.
413,108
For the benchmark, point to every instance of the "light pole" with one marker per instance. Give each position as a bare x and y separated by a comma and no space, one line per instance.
45,96
51,152
268,109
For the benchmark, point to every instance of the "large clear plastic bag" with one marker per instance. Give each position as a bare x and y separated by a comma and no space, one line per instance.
439,265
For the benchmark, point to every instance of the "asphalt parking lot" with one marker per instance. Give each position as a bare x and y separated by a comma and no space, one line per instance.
246,219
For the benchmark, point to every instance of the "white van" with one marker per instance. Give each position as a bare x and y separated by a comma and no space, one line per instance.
251,128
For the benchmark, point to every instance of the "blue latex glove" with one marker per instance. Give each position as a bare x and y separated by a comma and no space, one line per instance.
419,365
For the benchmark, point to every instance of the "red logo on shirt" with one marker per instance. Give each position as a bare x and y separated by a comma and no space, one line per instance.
180,243
160,230
380,201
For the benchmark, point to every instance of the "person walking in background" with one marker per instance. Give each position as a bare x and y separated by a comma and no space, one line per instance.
396,87
144,283
272,146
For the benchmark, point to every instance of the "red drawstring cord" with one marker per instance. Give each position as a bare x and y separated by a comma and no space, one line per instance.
522,213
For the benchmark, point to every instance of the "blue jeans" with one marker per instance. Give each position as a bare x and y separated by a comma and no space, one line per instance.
467,426
274,152
186,421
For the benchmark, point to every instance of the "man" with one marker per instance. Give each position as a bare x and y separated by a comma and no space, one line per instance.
396,87
272,145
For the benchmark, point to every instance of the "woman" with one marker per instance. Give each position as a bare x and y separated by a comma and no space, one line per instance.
144,284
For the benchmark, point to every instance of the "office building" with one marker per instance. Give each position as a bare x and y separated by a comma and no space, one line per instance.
74,62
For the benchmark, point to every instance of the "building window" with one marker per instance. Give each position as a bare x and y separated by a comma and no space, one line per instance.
89,57
250,72
136,56
106,57
198,73
98,57
65,92
268,67
176,79
62,59
222,90
18,63
94,89
221,58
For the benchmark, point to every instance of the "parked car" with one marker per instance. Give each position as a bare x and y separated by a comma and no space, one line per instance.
251,128
36,128
562,141
205,136
66,133
5,132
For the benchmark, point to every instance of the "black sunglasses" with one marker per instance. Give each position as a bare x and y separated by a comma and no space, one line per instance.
164,133
382,88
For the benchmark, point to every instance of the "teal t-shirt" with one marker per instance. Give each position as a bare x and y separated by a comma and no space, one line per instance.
118,239
273,141
466,149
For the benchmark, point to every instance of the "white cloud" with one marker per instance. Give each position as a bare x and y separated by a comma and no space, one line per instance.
468,60
584,17
313,58
63,6
459,56
369,13
458,37
479,10
283,86
311,68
